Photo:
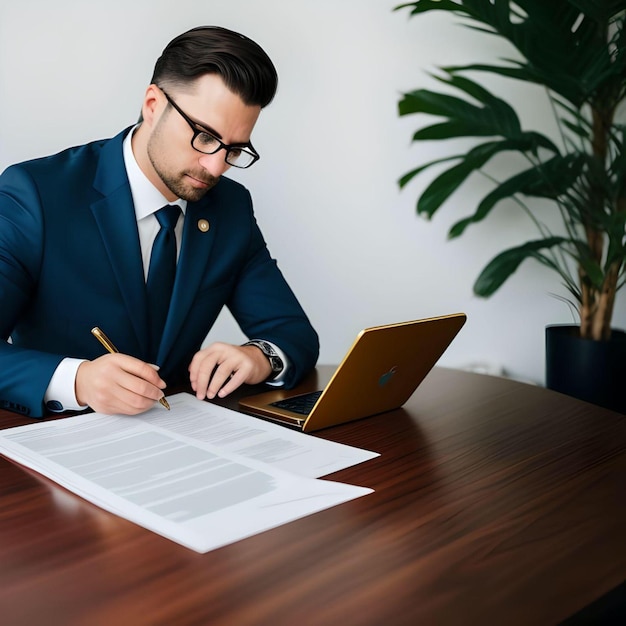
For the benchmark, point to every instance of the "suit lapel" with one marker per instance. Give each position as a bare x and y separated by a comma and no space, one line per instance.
115,216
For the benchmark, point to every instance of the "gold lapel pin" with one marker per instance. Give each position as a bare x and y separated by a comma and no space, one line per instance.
203,225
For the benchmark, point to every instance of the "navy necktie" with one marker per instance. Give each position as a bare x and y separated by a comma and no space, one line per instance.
161,274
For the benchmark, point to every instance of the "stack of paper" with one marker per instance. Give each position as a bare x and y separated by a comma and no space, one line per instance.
201,475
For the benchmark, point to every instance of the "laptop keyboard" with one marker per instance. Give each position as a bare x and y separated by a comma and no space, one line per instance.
302,404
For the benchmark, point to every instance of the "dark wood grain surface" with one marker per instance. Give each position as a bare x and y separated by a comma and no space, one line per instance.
495,502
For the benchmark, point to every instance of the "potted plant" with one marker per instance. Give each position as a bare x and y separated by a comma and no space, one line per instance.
576,50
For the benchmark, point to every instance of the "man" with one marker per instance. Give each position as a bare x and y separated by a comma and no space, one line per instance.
77,231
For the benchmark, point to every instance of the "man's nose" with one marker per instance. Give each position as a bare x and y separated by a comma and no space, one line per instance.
214,164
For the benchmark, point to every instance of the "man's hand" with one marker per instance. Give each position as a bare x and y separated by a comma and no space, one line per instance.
118,383
222,367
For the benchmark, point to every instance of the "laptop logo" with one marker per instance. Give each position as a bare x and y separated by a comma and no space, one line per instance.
387,376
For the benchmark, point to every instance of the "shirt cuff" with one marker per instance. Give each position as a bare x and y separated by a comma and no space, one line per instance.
61,395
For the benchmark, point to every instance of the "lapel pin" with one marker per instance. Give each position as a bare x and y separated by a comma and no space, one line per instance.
203,226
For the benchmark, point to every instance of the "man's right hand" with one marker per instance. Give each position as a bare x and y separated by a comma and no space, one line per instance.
118,384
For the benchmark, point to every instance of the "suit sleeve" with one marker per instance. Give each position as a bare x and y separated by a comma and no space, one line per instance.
25,372
264,306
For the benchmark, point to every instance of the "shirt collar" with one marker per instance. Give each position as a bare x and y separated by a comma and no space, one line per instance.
146,197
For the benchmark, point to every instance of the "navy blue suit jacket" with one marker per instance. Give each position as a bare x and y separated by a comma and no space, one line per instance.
70,260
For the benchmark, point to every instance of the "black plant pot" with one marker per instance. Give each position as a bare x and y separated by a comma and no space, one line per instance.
586,369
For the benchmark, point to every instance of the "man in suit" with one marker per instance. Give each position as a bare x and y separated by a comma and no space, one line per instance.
77,231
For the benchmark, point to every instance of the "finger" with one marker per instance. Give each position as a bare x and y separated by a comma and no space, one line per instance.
127,402
137,384
141,370
222,373
203,377
235,381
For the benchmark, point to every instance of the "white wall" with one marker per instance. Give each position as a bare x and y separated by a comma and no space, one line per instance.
332,148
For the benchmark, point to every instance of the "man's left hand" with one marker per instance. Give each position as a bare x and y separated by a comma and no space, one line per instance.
221,367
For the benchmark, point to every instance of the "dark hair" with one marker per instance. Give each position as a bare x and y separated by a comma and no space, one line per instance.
243,65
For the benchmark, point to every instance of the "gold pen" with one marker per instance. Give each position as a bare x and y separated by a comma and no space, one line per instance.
106,342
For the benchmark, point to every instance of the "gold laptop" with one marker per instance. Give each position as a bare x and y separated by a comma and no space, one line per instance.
379,373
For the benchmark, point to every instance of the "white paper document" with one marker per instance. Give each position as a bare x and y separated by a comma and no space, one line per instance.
201,475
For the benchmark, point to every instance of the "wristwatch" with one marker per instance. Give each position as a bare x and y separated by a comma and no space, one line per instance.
268,350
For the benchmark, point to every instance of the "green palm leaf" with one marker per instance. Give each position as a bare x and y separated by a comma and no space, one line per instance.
548,180
498,270
444,185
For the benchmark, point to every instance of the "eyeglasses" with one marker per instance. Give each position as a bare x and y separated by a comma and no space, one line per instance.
238,155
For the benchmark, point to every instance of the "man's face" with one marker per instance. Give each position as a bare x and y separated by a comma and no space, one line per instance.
182,171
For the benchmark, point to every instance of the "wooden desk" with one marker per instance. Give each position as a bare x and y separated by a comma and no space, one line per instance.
495,503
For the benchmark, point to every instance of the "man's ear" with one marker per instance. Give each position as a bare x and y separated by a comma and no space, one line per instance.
153,104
